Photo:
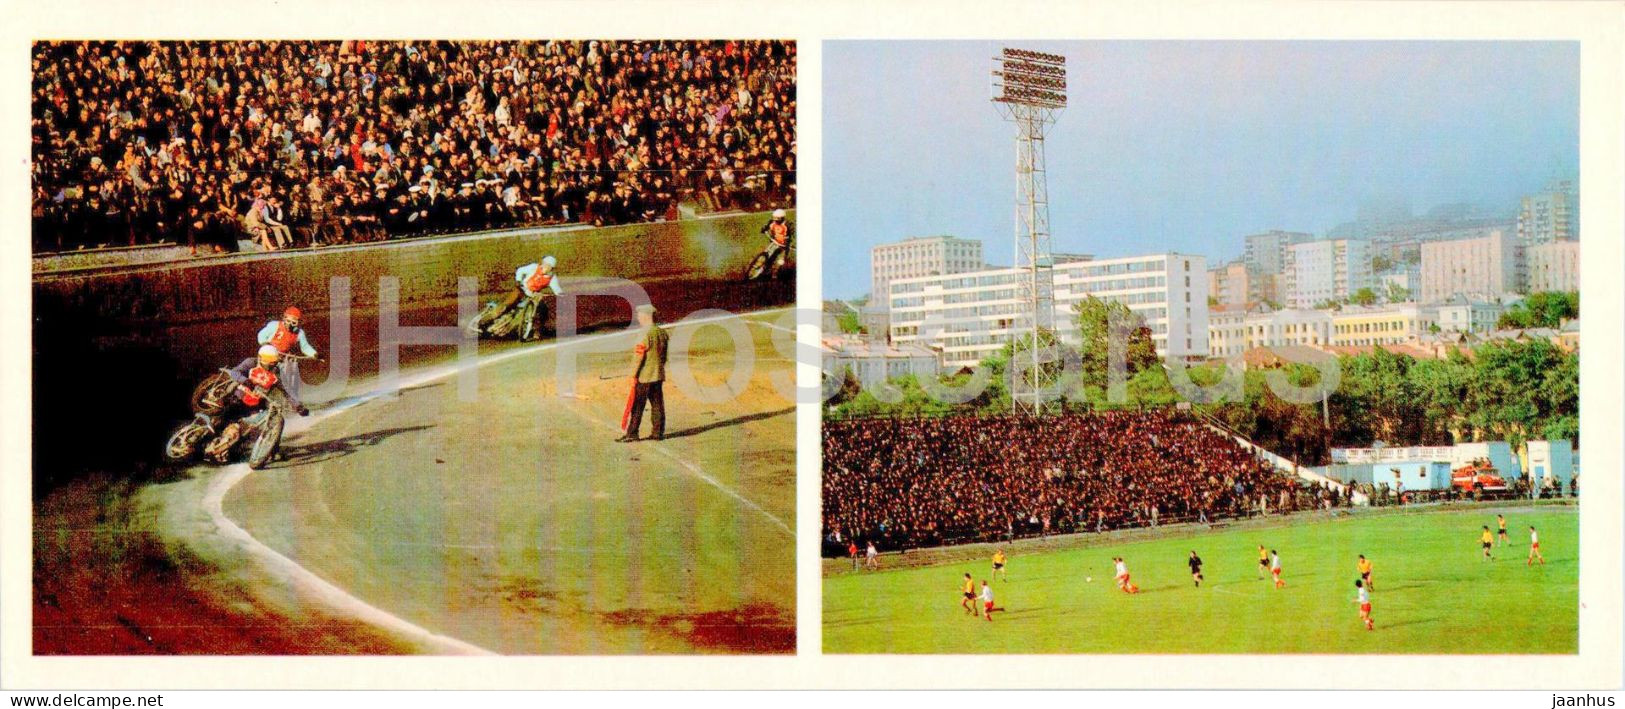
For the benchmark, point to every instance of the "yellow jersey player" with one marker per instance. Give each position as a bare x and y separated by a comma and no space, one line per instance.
969,589
1488,540
1501,522
1263,561
1364,566
998,564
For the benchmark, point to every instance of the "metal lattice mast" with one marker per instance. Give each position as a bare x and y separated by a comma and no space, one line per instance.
1029,89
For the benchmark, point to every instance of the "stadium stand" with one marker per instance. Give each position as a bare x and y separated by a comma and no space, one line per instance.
920,482
293,143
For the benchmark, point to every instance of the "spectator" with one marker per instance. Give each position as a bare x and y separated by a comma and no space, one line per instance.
926,482
370,140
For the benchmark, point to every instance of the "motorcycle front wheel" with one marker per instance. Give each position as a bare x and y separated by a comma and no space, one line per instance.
757,266
182,444
476,327
211,394
266,441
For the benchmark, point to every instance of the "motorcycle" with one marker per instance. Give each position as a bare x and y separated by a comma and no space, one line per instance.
772,262
523,320
220,431
212,394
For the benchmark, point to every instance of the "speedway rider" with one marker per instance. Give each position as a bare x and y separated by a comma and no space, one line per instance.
257,379
530,280
282,335
778,233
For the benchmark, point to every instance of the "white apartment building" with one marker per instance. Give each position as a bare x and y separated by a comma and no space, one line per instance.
977,311
1489,265
1554,265
920,256
1233,331
1329,269
1549,216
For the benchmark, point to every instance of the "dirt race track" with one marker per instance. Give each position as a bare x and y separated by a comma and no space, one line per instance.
510,521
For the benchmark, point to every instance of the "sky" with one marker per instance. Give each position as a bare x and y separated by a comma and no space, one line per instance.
1183,145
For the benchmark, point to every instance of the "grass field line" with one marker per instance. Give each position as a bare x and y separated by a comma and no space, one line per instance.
342,600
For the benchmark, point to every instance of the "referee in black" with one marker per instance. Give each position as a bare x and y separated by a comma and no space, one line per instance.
1196,568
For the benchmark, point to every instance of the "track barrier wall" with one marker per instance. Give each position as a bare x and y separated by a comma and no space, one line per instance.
117,349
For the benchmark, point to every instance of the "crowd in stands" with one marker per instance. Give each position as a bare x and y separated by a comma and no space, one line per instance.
916,482
299,143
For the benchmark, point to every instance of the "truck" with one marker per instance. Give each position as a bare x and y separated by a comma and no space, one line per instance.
1477,474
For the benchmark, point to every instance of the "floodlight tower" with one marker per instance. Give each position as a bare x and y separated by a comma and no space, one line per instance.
1029,89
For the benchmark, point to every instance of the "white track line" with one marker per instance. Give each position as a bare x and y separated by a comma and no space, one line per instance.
698,472
342,600
304,580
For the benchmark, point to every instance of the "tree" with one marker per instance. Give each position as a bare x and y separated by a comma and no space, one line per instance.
914,401
1381,263
1398,293
1519,388
1364,296
1095,319
1376,399
1439,386
849,323
1542,309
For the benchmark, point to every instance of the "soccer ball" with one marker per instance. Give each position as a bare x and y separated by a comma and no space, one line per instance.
1088,579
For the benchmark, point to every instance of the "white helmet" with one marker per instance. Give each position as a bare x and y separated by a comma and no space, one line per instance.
549,261
269,354
778,214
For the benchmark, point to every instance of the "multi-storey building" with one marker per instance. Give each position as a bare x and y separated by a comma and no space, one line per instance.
1233,331
1381,325
1554,265
1489,266
1230,284
920,256
969,316
1326,270
1266,252
1549,215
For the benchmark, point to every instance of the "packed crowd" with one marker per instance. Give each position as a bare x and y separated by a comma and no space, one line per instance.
924,482
296,143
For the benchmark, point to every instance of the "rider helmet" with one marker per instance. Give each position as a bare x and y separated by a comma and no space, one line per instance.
269,355
778,214
292,313
549,261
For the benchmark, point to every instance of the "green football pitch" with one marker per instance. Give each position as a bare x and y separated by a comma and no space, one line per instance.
1433,593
